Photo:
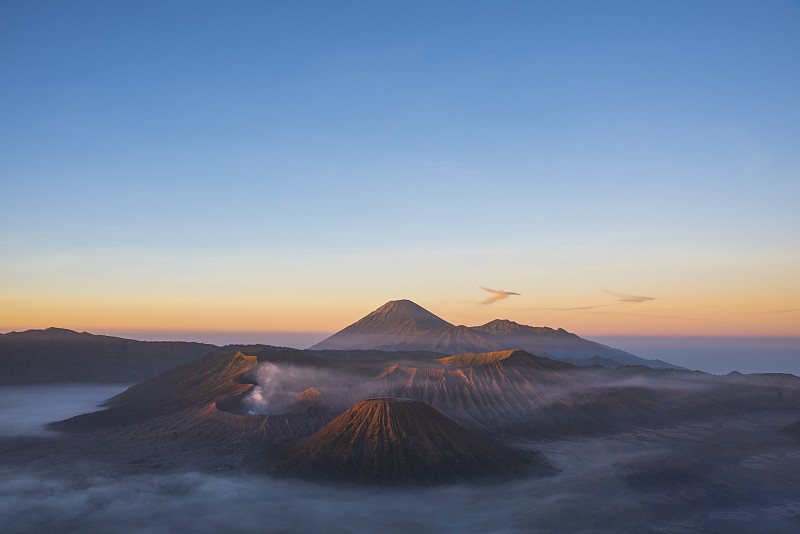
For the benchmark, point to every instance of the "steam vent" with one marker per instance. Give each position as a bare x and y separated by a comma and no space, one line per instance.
398,441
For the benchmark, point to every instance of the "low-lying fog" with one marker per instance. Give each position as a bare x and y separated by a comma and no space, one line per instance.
735,476
24,410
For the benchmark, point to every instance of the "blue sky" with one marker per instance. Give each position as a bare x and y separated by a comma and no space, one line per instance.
280,155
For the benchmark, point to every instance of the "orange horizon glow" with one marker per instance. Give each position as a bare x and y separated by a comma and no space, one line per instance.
647,319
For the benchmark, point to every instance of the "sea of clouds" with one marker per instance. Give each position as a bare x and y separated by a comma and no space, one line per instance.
592,492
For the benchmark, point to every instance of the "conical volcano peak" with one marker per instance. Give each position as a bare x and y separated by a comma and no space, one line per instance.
395,313
403,310
388,440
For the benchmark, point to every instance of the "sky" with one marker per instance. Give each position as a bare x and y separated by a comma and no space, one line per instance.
627,168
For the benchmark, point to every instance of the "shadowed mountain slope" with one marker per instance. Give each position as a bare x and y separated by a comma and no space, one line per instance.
557,343
187,387
397,441
403,325
59,355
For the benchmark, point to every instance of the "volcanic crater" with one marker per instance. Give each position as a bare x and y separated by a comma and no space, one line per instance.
397,441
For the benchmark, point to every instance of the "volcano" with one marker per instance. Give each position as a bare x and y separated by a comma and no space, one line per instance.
402,315
402,325
394,441
193,417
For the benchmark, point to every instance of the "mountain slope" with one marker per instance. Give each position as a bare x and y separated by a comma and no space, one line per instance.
386,328
558,344
513,392
194,414
59,355
497,392
403,325
397,441
393,314
189,386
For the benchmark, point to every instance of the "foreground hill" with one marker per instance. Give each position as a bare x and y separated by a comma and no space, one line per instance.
404,325
398,441
59,355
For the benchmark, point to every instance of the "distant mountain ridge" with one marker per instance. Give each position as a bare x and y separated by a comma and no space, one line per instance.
404,325
61,355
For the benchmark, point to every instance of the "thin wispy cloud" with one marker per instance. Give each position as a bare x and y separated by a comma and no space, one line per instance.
616,310
581,308
497,294
623,297
621,302
649,314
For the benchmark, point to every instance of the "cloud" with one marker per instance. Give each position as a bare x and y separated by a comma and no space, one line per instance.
24,411
497,294
634,299
605,483
622,302
580,308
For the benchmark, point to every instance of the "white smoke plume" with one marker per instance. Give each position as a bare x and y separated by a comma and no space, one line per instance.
277,386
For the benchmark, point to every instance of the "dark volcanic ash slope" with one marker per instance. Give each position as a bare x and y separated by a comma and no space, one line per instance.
397,441
403,325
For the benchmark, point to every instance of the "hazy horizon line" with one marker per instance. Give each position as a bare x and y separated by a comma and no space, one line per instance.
718,354
172,332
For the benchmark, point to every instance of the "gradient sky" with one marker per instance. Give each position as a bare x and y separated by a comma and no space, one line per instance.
290,166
